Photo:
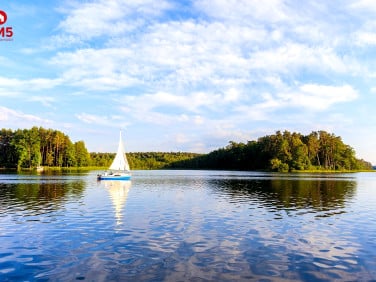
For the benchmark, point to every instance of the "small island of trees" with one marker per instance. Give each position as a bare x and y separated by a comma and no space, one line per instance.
283,152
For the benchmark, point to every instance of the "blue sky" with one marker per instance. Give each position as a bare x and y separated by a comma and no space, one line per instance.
190,75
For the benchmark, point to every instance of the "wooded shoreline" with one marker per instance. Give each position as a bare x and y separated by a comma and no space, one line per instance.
319,151
91,168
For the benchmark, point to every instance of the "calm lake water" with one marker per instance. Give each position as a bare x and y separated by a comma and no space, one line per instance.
188,226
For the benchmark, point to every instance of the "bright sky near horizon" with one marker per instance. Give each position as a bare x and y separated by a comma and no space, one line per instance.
190,75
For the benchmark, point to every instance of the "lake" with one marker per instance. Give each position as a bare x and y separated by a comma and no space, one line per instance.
188,226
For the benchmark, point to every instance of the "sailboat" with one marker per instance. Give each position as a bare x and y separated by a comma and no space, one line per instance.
119,169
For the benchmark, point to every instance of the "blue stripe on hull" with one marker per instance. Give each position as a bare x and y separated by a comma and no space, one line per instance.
127,177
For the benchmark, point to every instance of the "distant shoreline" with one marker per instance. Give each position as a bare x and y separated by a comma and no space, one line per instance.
89,168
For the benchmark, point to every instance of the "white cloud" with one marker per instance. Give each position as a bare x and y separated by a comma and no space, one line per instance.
239,10
109,18
188,55
321,97
293,57
309,97
157,106
314,97
34,84
258,111
201,50
88,118
364,5
109,121
41,83
13,117
44,100
364,35
95,69
56,42
177,54
191,51
9,82
365,38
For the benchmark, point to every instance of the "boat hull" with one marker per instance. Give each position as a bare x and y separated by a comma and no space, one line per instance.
108,177
114,176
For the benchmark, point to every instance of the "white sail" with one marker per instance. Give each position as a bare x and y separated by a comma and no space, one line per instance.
120,162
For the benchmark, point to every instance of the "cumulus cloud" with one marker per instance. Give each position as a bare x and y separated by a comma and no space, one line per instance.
11,116
236,64
164,107
365,38
46,101
321,97
297,103
28,84
364,5
166,55
97,18
88,118
190,54
272,11
103,120
293,57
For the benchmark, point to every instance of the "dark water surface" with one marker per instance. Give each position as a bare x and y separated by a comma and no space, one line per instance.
188,226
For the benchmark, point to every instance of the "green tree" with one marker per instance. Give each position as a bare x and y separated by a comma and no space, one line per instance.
278,165
299,153
33,140
7,151
19,144
70,155
82,155
313,146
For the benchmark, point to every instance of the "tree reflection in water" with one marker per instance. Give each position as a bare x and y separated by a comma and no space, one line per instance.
39,197
323,196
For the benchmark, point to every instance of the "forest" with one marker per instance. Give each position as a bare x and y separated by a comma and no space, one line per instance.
145,160
29,148
283,152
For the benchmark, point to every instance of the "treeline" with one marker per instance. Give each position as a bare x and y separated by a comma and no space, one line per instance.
28,148
282,152
144,160
320,150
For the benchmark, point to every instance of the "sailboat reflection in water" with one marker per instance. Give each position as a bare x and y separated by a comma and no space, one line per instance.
118,193
119,169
